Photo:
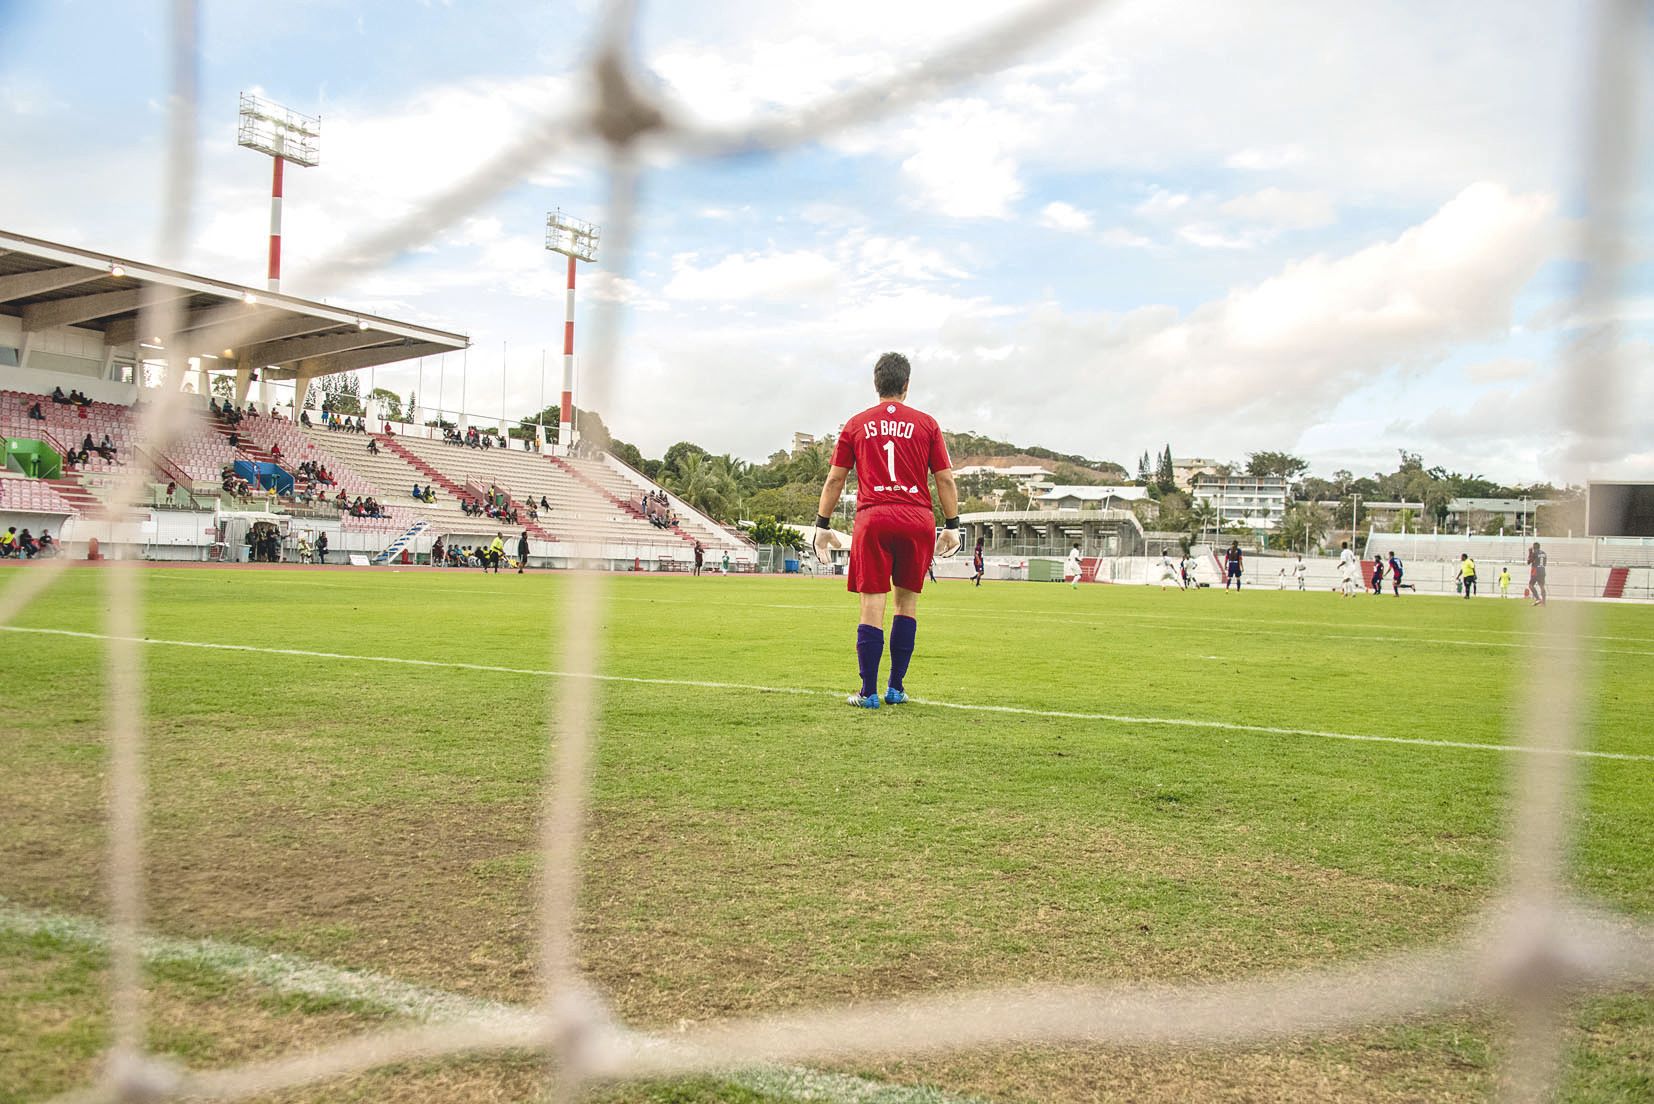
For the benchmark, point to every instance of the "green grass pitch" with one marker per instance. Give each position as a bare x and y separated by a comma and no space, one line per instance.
753,851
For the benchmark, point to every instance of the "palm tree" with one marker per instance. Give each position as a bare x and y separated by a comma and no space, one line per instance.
1305,520
708,484
1202,516
809,465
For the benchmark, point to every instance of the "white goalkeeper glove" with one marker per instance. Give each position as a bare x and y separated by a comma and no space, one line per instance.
823,540
948,540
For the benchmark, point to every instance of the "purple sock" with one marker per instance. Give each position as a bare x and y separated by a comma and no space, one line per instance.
902,630
869,650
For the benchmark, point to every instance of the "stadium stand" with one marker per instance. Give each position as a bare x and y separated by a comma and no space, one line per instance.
392,479
627,486
579,511
266,433
32,496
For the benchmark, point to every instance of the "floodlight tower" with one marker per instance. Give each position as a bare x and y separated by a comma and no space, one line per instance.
285,135
577,241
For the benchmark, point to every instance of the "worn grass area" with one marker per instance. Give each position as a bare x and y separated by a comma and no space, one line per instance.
755,851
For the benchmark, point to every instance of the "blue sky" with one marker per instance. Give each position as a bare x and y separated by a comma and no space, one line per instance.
1334,229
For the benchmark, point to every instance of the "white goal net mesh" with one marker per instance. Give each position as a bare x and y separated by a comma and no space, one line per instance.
1529,953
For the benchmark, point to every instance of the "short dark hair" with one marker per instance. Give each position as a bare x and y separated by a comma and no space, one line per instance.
890,375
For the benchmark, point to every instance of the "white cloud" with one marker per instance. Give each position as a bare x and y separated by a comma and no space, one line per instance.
1500,371
1064,216
1283,210
1120,236
1161,204
751,276
963,164
1265,160
1207,236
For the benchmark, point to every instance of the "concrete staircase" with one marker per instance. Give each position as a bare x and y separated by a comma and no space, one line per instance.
394,549
455,490
72,491
1615,587
628,506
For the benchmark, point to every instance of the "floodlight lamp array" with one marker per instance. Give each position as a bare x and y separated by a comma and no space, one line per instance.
572,237
270,128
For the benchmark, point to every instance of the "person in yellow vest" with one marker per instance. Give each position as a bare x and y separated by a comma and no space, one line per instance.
8,542
1467,574
496,553
1504,582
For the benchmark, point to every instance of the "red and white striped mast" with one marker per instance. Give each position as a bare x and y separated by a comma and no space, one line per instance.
284,135
576,240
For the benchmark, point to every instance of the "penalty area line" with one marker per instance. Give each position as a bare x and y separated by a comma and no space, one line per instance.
802,691
292,975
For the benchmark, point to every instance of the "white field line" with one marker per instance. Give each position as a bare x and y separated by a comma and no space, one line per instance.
1249,626
1259,624
292,975
1021,711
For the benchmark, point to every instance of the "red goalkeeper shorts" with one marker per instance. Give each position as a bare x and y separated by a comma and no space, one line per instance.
891,544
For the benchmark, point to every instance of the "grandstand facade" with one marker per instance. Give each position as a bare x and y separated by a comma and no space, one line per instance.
75,367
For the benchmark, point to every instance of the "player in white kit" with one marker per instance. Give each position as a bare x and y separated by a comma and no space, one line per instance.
1168,572
1071,569
1349,566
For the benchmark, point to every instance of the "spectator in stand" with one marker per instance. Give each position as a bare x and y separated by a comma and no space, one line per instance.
26,547
172,489
544,505
275,453
304,418
373,447
36,414
48,547
86,444
522,551
418,495
235,439
59,397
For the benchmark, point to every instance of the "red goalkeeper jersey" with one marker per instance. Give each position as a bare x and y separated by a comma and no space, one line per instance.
892,448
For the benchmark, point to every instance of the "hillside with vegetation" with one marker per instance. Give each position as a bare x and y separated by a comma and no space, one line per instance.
786,487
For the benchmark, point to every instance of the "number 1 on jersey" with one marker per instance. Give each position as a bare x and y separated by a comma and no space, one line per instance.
890,458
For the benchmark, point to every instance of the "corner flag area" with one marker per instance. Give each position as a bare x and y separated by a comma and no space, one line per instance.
1108,785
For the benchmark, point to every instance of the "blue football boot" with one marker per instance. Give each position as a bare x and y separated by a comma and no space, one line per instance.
871,701
893,696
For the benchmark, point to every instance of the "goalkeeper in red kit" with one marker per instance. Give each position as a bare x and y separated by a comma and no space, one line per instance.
895,450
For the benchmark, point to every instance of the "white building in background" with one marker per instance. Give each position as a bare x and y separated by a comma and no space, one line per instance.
1255,501
1030,479
1515,515
1090,498
1183,471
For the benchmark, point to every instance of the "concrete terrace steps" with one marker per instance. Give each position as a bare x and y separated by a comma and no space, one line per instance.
584,477
1615,586
459,491
577,511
